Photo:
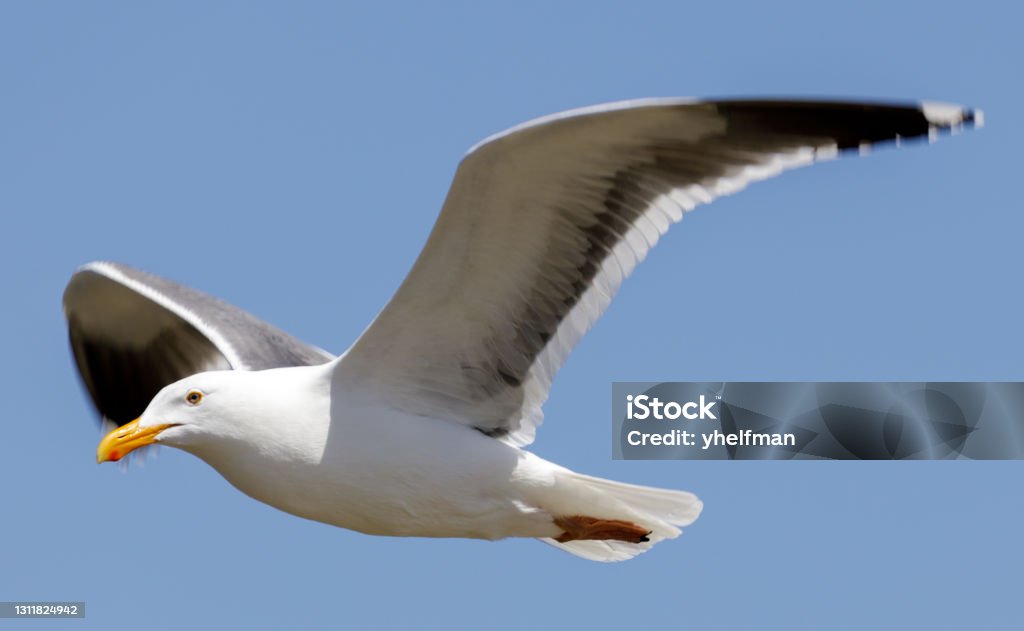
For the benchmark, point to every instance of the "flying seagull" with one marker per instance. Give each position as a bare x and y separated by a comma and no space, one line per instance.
418,428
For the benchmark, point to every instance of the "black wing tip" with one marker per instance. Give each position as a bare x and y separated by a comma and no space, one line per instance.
907,124
940,119
851,124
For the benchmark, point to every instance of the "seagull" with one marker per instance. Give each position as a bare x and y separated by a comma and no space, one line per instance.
418,429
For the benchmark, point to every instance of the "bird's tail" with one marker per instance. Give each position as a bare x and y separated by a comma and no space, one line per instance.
660,511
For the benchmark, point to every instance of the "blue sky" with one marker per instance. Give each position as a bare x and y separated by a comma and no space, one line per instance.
291,158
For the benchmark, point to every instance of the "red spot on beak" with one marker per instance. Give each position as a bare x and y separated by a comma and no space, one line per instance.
114,456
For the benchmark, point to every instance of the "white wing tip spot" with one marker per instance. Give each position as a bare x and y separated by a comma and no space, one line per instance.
942,114
826,152
951,116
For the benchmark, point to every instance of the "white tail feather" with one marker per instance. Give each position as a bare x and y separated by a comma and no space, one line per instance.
662,511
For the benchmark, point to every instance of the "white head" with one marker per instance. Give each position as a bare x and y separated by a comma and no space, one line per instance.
208,412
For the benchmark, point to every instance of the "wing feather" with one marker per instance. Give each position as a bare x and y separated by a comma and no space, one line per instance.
132,333
544,222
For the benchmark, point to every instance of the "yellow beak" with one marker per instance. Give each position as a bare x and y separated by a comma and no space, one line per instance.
126,439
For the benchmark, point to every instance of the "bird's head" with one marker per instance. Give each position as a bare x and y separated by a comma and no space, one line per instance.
197,411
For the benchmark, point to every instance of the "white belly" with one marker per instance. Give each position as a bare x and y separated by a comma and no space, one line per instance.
402,476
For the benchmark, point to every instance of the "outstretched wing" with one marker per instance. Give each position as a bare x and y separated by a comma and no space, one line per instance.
543,223
132,333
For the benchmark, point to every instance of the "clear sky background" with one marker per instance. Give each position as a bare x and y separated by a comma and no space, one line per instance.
291,158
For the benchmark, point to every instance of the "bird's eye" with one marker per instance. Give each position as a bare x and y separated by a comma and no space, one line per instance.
194,397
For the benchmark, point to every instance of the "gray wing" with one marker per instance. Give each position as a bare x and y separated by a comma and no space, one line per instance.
132,333
543,223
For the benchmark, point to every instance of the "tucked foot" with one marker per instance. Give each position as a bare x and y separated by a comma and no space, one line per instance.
578,527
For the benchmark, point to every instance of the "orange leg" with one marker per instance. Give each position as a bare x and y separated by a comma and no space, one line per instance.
578,527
